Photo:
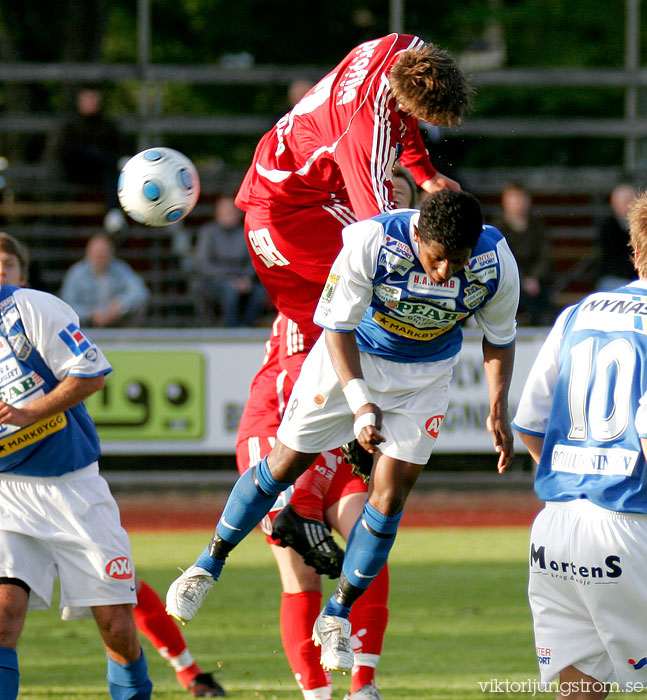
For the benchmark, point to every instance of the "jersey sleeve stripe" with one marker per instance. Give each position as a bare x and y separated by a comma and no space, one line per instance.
340,212
521,429
280,391
381,145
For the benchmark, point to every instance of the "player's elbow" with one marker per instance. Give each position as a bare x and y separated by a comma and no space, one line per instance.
534,443
94,384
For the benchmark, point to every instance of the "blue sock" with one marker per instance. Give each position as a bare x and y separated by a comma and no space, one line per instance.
129,681
212,565
367,550
249,501
333,607
9,676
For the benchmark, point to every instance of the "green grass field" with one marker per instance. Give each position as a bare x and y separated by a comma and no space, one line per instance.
458,616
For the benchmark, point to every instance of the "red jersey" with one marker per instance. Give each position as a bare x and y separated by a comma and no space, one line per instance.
337,146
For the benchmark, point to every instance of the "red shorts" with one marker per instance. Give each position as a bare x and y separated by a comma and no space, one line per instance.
292,252
342,481
285,352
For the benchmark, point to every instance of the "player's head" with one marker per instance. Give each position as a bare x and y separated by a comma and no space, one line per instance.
638,232
449,227
14,261
405,192
429,84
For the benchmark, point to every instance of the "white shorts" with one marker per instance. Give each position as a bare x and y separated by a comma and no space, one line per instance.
413,398
588,592
65,527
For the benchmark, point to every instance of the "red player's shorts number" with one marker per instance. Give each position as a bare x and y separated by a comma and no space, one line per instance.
263,245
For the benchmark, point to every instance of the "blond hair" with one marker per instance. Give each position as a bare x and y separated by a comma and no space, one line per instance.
429,84
637,217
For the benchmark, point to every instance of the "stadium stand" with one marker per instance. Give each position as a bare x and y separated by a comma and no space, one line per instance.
55,219
569,202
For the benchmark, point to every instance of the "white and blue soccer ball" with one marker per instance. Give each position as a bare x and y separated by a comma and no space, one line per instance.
158,186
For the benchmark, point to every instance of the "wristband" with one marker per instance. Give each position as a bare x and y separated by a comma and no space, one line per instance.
364,420
357,394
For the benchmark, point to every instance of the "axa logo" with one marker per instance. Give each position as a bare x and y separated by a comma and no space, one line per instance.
638,664
119,568
432,426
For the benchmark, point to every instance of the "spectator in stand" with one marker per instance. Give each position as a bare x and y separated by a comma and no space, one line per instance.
530,244
297,89
223,273
615,266
88,147
103,290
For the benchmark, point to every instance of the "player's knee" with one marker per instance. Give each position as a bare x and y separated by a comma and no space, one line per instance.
118,631
389,500
286,464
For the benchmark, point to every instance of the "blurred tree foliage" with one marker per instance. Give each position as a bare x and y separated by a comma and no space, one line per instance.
536,33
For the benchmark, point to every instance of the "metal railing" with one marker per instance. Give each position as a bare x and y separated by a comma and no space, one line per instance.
151,118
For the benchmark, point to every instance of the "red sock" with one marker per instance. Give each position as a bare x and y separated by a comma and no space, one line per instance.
311,487
369,617
162,632
298,614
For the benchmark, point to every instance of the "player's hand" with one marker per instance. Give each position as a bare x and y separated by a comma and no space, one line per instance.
501,432
440,182
11,415
369,436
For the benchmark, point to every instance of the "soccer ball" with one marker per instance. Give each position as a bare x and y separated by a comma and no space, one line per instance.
158,186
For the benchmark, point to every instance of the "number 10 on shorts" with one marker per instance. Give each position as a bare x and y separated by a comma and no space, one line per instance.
263,245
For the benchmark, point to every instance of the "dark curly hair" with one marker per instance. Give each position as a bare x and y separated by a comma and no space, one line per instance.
429,84
453,219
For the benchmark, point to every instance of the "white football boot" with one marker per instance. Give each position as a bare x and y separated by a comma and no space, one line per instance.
332,634
186,593
366,692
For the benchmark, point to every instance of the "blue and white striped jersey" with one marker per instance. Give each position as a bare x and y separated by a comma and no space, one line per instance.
41,344
586,396
378,288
